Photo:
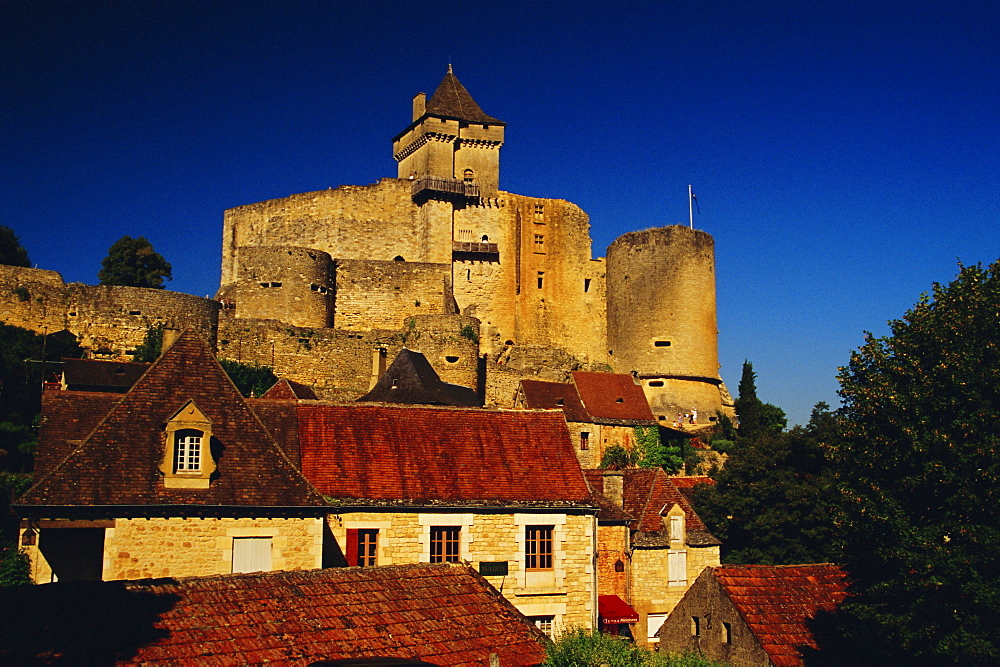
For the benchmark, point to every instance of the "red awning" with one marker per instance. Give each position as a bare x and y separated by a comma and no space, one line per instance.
613,609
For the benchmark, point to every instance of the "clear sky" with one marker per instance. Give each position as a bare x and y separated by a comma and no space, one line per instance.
845,154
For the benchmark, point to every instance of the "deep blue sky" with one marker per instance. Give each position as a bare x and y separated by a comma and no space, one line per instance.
845,154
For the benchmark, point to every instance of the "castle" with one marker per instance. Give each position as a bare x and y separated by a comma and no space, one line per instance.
493,287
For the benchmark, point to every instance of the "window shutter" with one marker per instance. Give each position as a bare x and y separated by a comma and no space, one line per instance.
251,554
352,547
676,568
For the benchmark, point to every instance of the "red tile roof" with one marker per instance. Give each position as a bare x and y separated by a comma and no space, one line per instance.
541,395
441,614
288,390
776,601
118,464
434,454
101,375
612,396
648,495
67,418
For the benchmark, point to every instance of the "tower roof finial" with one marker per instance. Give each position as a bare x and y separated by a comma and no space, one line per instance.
449,69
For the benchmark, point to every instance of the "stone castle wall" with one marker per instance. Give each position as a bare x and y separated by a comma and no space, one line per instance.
292,284
381,295
108,316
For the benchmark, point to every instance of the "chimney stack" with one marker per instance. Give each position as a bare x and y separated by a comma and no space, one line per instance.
419,105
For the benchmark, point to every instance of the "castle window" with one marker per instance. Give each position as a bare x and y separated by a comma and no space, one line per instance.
539,209
398,258
541,279
661,343
695,626
619,566
273,284
727,633
265,284
656,383
468,176
586,284
135,312
468,274
584,440
486,238
451,359
539,243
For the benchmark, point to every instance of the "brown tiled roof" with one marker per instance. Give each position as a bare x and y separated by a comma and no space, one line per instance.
386,453
776,601
67,418
612,396
687,484
100,375
118,464
647,494
540,395
439,614
452,100
289,390
281,421
411,379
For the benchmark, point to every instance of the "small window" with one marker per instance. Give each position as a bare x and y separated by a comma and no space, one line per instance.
543,623
560,401
584,440
727,633
187,451
662,343
653,624
586,284
398,258
656,383
135,312
539,243
274,284
486,238
468,274
251,554
468,176
677,527
362,547
538,547
539,209
265,284
444,544
619,400
619,565
541,279
677,568
451,359
695,626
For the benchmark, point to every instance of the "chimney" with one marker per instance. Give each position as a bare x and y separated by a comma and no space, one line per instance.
614,486
419,105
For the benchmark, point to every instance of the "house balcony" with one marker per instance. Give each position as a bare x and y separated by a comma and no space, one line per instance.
473,250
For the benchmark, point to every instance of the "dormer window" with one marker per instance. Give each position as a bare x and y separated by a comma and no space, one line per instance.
187,458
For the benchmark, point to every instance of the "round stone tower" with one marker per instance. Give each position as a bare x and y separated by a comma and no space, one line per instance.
661,319
285,283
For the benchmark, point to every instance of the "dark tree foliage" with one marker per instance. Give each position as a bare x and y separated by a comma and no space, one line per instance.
919,469
134,263
251,380
756,418
12,253
617,457
774,502
152,344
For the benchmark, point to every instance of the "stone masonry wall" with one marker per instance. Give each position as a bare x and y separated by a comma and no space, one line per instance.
566,592
188,547
33,299
294,285
381,295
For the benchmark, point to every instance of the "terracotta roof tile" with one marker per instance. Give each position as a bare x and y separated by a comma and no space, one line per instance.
118,464
67,418
288,390
647,493
776,601
612,396
541,395
388,453
101,375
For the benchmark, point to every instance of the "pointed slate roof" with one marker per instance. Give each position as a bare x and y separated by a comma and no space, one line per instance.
600,398
777,601
118,462
289,390
100,375
411,379
648,494
452,100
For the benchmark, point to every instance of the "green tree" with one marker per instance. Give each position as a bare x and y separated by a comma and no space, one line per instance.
251,380
756,418
12,253
920,475
134,263
590,648
617,457
775,501
152,344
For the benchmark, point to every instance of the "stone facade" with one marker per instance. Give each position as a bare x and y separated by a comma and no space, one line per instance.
567,592
178,546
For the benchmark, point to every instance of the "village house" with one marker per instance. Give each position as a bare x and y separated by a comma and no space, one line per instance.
651,547
420,614
176,477
754,614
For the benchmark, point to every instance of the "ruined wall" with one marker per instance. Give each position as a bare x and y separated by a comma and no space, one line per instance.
108,316
374,294
567,592
339,363
378,221
672,396
294,285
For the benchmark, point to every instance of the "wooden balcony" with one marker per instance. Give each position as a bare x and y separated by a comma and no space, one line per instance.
426,187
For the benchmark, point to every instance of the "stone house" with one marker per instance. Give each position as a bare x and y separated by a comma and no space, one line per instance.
418,614
602,410
651,546
754,614
176,477
500,490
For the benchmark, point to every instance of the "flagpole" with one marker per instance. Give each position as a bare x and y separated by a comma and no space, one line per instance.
690,208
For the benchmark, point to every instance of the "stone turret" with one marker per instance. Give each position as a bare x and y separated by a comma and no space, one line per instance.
451,147
662,320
